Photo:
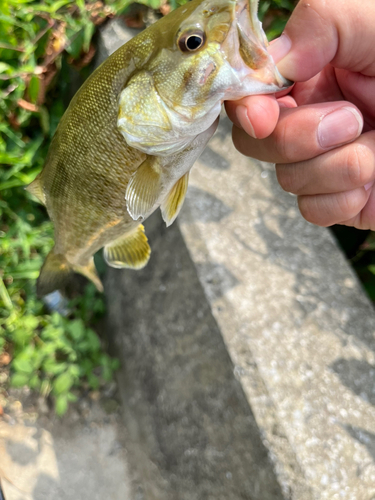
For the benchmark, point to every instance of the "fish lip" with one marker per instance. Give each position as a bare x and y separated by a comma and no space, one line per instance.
250,29
283,82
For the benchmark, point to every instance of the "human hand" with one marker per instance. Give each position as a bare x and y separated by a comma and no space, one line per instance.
322,135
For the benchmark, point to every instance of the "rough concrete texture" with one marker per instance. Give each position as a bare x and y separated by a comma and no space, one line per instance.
81,456
190,428
296,324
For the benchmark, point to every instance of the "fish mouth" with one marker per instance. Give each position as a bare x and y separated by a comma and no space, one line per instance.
253,47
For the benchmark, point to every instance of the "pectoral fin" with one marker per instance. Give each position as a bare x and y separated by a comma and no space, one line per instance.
143,189
131,250
36,189
172,204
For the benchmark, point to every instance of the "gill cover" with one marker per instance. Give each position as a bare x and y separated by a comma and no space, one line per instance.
207,51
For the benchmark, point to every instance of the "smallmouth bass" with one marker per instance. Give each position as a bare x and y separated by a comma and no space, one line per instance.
133,131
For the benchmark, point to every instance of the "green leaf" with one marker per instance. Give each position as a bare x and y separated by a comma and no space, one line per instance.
74,371
52,367
71,397
44,119
62,383
93,381
19,379
76,329
34,382
115,364
4,67
23,365
88,32
30,322
61,405
75,47
154,4
93,340
4,296
34,87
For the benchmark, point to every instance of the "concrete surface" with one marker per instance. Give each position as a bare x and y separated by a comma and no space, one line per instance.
81,456
297,325
190,427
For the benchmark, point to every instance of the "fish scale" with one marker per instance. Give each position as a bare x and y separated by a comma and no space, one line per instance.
133,131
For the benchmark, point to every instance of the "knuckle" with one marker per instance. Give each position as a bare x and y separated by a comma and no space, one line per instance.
309,209
284,178
360,165
290,177
349,204
285,144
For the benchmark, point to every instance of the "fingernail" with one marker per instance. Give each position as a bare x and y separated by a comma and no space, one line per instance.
339,127
243,118
369,185
280,47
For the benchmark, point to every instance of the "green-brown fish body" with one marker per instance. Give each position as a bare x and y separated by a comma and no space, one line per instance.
131,134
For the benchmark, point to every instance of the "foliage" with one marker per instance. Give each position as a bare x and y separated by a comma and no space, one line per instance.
50,353
53,354
274,15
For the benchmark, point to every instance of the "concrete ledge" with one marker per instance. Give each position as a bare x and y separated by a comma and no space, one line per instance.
247,346
296,323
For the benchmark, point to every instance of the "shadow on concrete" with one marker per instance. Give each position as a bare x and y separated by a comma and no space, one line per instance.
206,207
358,376
218,279
364,437
214,160
192,434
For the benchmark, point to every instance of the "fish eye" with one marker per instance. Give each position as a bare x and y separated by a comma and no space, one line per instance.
190,42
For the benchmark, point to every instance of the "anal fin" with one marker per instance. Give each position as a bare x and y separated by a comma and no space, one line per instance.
36,189
130,251
143,189
172,204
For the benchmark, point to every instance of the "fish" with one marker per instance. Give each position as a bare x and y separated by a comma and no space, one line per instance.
132,132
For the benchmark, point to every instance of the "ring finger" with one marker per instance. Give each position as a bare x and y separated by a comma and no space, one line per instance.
342,169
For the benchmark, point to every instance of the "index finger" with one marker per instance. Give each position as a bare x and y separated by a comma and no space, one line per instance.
257,115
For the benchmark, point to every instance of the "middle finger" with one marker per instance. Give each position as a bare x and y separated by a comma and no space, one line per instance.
303,133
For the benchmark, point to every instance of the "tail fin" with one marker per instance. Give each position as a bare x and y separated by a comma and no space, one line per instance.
56,272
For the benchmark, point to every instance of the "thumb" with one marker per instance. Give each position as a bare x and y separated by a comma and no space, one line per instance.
321,32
